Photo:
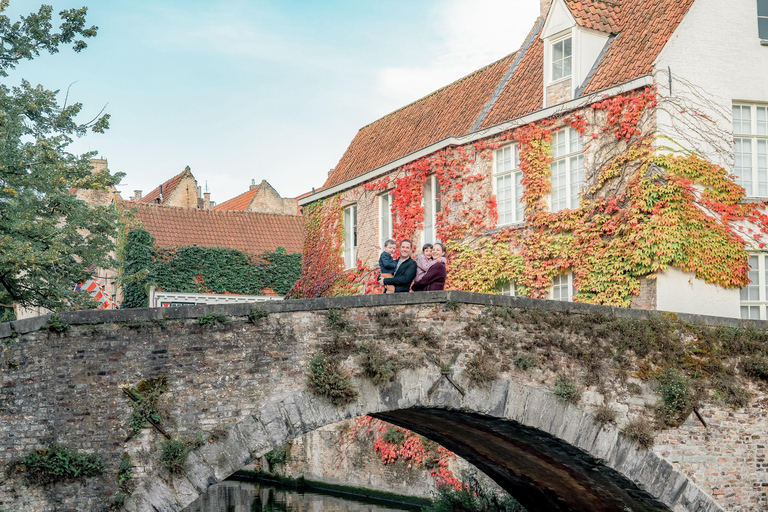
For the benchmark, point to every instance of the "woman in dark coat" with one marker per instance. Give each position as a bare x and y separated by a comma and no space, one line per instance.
434,279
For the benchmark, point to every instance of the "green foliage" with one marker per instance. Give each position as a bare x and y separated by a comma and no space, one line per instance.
452,305
326,378
526,361
394,435
566,389
58,464
605,414
640,431
56,324
277,457
173,452
472,498
213,319
203,270
334,320
756,366
482,368
124,474
676,398
146,395
257,314
376,366
49,237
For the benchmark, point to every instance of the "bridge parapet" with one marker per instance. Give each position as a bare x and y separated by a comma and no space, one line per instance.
248,380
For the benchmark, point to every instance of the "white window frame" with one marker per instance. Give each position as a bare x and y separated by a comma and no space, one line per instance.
385,203
755,140
509,289
513,175
554,41
753,298
432,206
762,21
558,286
350,236
572,162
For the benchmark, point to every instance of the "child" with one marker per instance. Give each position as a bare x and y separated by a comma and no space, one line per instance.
387,265
423,262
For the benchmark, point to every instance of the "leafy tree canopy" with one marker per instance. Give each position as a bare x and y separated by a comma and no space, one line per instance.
48,238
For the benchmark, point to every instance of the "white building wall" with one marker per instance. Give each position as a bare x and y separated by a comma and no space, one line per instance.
682,292
717,49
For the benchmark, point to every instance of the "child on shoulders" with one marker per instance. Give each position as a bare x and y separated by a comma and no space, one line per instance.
387,264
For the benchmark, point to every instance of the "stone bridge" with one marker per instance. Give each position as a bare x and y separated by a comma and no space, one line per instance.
244,382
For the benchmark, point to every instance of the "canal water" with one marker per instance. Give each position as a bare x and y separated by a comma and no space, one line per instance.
238,496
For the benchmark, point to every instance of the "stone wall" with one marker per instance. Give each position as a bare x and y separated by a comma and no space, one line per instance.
249,381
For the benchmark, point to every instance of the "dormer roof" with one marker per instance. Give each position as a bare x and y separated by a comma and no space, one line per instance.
600,15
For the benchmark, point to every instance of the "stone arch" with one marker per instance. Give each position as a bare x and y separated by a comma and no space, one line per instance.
548,454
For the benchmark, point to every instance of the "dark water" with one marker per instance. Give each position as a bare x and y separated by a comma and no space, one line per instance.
236,496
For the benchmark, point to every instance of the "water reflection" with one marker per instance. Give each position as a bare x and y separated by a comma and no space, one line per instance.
236,496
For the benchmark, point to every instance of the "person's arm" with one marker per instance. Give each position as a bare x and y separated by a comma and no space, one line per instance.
404,277
387,264
435,273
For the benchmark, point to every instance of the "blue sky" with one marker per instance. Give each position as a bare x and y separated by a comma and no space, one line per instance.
274,90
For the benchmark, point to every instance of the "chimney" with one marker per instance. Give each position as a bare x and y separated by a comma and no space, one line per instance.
207,201
545,4
329,172
136,195
253,185
199,191
160,199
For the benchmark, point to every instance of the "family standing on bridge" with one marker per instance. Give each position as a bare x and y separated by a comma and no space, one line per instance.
425,273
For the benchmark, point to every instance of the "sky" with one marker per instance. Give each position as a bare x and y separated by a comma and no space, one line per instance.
250,90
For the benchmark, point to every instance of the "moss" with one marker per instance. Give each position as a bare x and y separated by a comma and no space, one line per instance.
326,378
257,314
526,361
452,305
213,319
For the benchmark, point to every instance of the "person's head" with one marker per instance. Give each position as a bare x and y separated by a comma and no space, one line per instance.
438,251
390,246
406,248
427,250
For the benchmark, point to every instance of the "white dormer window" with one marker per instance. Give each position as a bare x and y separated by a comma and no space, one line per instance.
561,59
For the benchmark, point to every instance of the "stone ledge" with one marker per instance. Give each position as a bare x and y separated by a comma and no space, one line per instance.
351,302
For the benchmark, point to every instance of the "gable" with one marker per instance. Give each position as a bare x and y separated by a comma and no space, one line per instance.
558,19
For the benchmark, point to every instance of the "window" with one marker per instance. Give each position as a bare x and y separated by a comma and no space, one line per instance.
385,218
562,287
567,169
750,137
507,288
561,59
754,296
762,20
507,182
431,209
350,236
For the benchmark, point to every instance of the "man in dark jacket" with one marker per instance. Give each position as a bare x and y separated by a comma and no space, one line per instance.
406,269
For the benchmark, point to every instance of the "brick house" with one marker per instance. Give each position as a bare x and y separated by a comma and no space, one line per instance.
597,163
261,198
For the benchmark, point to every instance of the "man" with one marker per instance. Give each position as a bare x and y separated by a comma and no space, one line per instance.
405,271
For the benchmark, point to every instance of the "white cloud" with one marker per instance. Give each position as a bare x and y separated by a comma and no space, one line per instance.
474,34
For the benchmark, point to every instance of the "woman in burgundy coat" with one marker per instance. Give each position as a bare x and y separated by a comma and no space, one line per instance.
434,279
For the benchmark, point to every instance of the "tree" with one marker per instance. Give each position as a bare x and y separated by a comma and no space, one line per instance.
48,238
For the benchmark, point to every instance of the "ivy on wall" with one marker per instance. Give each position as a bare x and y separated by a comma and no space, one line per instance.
202,270
643,211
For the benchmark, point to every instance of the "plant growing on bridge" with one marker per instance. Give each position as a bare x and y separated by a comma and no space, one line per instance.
257,314
482,368
278,456
173,452
567,389
326,378
56,324
676,398
213,319
124,474
640,431
381,369
144,400
59,464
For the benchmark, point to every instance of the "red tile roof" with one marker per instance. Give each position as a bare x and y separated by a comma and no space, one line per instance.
240,202
643,29
168,187
247,231
600,15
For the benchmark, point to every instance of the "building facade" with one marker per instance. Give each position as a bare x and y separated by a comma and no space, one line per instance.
605,161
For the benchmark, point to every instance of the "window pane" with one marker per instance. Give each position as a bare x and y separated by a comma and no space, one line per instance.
507,289
762,168
762,120
504,198
519,206
504,159
557,51
558,185
567,48
743,164
762,28
385,218
566,67
575,141
762,7
577,179
558,144
742,119
429,214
